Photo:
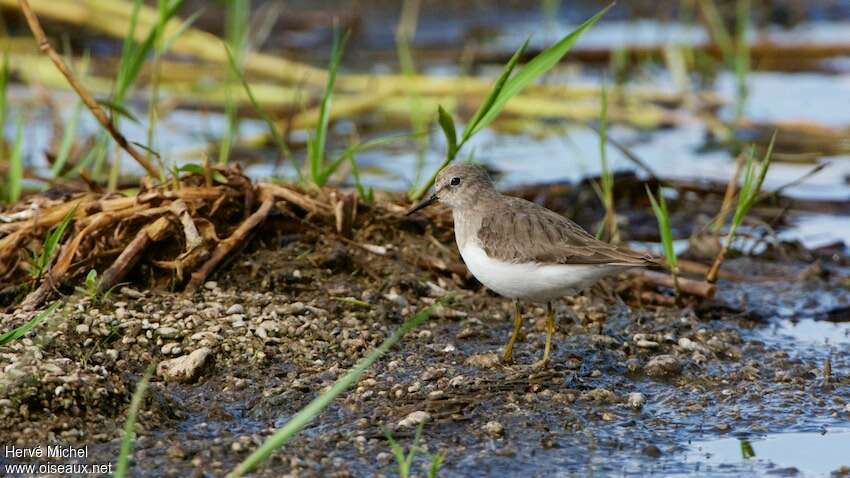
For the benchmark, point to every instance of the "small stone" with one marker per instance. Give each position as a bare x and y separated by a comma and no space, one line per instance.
436,395
494,429
483,360
432,373
82,329
646,344
185,368
131,293
457,381
663,366
789,471
691,346
235,309
210,285
636,400
167,332
722,427
414,419
651,451
394,297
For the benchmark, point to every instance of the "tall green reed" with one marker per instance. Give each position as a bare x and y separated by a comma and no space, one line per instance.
506,87
662,216
237,19
317,143
748,195
605,188
15,177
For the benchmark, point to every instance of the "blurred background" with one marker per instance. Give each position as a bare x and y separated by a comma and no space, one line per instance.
691,85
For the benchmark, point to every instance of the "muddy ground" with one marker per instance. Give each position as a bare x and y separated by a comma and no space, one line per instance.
631,384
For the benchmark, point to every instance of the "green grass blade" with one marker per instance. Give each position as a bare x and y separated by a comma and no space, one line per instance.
51,241
133,57
4,83
532,70
448,126
506,87
67,139
315,407
745,191
606,176
398,453
765,164
273,129
24,329
478,119
436,463
123,463
317,143
14,183
353,149
662,215
168,42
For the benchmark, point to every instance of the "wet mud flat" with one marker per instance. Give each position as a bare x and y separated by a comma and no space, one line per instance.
631,387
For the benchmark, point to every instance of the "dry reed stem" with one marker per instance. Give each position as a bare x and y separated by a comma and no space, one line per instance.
687,286
84,95
228,245
149,234
299,199
193,239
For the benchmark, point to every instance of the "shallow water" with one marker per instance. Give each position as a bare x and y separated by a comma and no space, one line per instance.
812,453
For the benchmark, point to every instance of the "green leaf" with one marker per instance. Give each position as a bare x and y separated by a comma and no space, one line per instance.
24,329
192,168
317,142
118,108
51,241
448,126
273,129
218,177
16,162
4,83
532,70
185,25
662,215
477,122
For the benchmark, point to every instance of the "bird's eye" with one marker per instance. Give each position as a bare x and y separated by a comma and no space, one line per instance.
455,181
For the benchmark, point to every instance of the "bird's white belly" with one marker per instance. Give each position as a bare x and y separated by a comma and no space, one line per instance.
530,281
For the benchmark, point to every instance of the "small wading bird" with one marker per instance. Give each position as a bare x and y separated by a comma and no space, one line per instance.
520,249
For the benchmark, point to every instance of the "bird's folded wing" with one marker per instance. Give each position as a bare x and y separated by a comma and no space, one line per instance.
522,231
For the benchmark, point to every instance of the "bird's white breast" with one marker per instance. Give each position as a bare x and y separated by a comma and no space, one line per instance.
530,281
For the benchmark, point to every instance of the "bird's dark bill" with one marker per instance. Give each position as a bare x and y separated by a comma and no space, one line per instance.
421,205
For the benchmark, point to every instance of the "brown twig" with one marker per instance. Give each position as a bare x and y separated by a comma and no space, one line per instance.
227,246
149,234
686,286
84,95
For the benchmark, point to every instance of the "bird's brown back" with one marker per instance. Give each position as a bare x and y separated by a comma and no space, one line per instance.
515,230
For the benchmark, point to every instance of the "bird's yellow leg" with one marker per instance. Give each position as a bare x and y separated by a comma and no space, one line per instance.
508,356
550,329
